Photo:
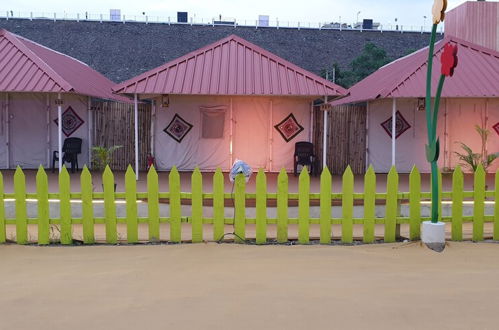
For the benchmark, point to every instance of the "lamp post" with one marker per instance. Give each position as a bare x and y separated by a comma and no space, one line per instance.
358,13
424,22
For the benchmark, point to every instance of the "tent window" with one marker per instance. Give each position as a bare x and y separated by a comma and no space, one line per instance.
212,122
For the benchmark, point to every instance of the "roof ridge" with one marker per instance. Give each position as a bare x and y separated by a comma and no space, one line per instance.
32,56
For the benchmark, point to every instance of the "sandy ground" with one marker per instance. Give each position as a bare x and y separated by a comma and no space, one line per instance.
211,286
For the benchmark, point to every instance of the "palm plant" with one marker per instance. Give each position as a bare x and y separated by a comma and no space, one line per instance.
471,159
103,156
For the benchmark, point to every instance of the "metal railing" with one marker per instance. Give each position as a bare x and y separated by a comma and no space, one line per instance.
193,20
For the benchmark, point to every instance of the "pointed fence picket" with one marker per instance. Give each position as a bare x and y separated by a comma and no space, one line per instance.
369,204
238,199
42,190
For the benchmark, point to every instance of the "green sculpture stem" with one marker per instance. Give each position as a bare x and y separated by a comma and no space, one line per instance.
437,106
428,80
434,167
431,124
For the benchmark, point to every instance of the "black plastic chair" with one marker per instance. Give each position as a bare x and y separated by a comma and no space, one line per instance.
71,148
304,156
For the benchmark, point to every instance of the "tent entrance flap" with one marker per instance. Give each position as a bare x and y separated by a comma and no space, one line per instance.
28,135
251,129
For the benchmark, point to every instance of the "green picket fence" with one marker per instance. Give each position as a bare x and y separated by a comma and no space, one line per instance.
392,198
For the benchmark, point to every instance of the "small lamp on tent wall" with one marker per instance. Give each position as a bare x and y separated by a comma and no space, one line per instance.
421,106
165,101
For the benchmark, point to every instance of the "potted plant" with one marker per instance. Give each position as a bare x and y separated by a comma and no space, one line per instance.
102,157
471,159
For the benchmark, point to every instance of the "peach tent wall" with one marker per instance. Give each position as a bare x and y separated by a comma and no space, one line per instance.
457,120
253,89
247,121
28,133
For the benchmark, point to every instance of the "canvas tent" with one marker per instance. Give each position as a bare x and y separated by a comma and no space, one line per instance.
226,101
39,88
397,90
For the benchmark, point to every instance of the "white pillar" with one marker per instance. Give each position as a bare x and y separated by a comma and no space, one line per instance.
153,125
231,134
7,128
59,130
394,125
136,113
367,135
90,131
311,133
47,123
324,137
271,135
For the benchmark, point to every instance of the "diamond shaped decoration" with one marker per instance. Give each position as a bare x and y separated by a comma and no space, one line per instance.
401,125
70,121
496,128
178,128
289,128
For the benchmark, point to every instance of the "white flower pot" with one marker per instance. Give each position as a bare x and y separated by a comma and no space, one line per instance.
433,235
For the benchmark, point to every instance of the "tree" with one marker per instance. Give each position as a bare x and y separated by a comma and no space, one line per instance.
371,59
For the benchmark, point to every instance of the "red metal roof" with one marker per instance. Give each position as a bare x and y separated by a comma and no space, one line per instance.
476,75
231,66
26,66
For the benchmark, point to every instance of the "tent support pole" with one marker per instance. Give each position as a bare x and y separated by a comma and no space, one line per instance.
271,137
90,129
136,124
153,123
367,136
311,134
47,117
231,140
486,122
7,128
59,130
446,145
324,138
394,126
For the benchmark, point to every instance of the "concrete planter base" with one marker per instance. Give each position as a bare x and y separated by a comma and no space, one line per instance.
433,235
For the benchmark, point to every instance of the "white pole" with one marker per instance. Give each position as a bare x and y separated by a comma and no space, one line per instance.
271,137
90,129
311,133
7,130
47,122
153,123
324,137
136,112
394,125
231,133
59,130
485,122
367,135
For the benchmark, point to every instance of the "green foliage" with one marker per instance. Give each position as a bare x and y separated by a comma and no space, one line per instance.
371,59
471,159
103,156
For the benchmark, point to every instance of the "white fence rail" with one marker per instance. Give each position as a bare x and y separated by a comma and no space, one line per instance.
193,20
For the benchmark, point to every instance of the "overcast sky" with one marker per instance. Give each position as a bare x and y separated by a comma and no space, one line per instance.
385,11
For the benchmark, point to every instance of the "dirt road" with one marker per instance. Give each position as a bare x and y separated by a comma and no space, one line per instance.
211,286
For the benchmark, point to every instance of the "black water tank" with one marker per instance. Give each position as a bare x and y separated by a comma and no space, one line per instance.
367,24
182,17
